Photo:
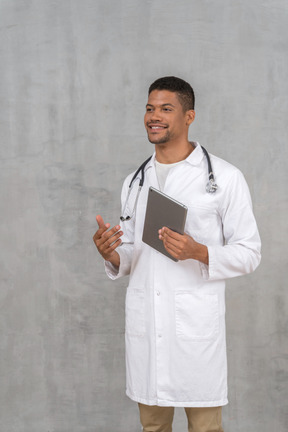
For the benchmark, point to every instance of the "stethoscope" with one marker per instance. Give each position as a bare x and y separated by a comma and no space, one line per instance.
211,186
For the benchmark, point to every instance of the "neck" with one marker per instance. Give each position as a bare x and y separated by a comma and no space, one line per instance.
168,155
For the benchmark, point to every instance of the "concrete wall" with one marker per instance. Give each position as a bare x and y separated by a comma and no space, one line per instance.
73,84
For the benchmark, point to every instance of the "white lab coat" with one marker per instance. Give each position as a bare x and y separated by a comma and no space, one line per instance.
175,311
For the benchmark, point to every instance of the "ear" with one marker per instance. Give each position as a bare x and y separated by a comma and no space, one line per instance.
190,117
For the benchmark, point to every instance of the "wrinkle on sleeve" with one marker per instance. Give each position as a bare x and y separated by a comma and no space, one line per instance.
241,252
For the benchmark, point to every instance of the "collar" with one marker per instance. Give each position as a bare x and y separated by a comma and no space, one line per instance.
193,159
196,156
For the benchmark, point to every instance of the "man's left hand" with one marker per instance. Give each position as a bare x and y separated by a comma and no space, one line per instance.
183,246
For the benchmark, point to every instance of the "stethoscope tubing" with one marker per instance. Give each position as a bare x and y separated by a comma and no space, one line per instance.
211,186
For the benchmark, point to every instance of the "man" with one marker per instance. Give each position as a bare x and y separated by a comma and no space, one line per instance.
175,311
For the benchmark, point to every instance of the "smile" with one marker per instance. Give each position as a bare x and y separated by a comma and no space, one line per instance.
156,127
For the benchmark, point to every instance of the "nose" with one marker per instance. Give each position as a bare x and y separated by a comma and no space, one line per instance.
155,115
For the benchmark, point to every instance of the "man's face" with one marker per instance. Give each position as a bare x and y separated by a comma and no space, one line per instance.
164,118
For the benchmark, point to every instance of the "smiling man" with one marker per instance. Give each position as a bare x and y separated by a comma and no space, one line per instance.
175,310
165,119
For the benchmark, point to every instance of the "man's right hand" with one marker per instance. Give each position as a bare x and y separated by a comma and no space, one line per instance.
107,241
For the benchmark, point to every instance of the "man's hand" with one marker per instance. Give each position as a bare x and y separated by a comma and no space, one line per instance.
183,247
107,241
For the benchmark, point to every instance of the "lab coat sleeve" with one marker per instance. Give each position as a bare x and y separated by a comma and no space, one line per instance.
125,251
240,253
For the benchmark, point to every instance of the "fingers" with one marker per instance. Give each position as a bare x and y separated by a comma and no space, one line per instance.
173,242
102,235
170,233
109,237
107,240
100,232
172,251
111,247
100,221
102,227
170,236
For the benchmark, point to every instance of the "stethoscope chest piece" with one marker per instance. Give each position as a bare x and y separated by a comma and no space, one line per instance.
211,187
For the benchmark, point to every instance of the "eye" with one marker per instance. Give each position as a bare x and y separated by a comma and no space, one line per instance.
167,109
148,109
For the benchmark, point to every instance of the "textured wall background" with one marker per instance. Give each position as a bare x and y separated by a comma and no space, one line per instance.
73,84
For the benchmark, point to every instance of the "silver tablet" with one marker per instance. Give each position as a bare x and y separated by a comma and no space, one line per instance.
161,211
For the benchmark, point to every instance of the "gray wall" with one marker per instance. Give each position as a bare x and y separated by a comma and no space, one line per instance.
73,84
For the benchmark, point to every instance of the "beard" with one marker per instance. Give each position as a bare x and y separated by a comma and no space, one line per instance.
160,140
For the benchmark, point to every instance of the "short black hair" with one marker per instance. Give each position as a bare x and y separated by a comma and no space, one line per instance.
183,89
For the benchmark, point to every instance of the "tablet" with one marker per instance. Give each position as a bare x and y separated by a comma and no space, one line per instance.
162,210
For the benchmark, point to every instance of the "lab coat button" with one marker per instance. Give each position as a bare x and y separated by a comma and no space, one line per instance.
158,293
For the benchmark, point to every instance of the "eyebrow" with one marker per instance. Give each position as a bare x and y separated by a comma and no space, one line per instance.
163,105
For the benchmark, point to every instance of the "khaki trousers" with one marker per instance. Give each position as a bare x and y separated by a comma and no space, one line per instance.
159,419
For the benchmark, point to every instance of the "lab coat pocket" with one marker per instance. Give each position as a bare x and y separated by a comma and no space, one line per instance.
135,324
197,315
198,221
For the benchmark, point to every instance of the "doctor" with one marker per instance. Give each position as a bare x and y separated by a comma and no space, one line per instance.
175,311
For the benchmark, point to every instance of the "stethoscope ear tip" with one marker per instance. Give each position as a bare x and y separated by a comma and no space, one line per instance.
123,219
